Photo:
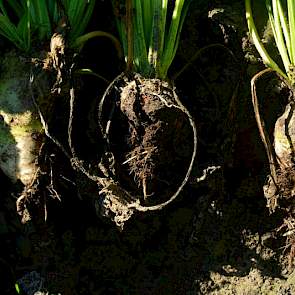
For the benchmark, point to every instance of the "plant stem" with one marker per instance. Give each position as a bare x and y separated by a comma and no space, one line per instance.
279,35
80,41
129,16
291,17
258,43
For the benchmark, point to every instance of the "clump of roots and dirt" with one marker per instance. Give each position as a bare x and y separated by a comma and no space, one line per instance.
156,136
27,117
280,187
150,146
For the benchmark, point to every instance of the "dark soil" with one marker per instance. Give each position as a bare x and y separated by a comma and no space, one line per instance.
217,237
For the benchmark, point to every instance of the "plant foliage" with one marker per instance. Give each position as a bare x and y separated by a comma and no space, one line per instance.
26,21
155,34
281,16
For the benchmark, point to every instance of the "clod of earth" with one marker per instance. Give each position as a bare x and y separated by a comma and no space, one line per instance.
150,147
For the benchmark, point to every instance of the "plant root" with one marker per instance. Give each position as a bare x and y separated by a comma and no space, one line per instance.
279,189
139,102
44,88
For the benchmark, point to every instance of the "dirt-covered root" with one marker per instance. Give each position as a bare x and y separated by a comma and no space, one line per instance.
20,128
157,138
150,145
29,200
280,188
29,90
280,195
284,138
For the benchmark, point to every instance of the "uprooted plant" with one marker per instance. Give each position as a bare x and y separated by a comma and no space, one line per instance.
34,74
149,136
280,186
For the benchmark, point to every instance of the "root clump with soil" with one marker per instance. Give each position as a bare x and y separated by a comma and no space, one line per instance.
150,139
34,78
279,189
156,135
25,96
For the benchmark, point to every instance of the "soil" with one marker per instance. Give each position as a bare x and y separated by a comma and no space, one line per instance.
217,237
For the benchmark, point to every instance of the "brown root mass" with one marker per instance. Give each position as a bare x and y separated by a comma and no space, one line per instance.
48,82
280,188
154,142
150,141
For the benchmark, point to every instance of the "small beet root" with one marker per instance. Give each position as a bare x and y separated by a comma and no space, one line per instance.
150,146
280,187
283,185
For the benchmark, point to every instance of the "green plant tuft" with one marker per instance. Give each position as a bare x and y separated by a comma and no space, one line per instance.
281,16
36,20
153,33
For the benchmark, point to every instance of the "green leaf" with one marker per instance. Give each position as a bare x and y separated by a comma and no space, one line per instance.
278,33
285,26
147,8
36,19
40,18
17,288
291,17
140,50
22,30
9,31
84,18
258,43
155,45
18,6
28,32
173,36
157,37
